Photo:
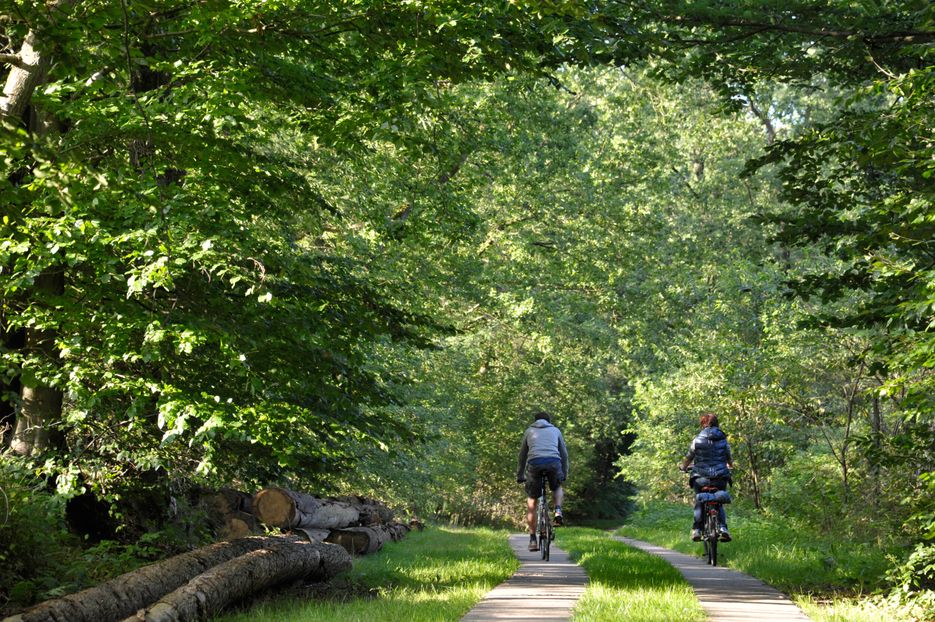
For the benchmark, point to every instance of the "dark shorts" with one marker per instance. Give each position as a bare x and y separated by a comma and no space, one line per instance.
535,473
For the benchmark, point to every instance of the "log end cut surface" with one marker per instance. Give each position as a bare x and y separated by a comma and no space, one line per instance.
274,507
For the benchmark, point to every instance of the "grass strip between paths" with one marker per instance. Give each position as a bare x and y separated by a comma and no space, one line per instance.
435,575
625,583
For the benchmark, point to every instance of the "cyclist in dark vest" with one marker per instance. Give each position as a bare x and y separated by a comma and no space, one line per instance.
711,462
542,454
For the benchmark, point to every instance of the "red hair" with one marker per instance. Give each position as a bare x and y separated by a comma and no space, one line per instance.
709,420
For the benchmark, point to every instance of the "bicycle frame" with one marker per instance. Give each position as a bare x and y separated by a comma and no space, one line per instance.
543,522
709,534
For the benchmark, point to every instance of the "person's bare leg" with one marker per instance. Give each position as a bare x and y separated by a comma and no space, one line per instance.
557,495
531,514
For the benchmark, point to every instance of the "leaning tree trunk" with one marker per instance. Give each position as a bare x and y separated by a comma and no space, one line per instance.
287,509
27,72
206,595
122,596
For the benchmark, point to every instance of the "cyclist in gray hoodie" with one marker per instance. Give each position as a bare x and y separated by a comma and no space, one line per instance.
542,454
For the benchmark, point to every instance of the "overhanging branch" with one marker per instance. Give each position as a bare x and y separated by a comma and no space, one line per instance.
13,59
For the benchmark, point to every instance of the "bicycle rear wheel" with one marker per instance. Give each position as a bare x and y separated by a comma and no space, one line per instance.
544,527
710,539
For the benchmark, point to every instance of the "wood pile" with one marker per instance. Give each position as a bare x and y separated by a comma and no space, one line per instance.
321,535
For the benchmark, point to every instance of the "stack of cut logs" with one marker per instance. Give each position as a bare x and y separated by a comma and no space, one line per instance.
322,535
359,524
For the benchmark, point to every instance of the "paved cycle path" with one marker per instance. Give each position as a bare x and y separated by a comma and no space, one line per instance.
727,595
538,592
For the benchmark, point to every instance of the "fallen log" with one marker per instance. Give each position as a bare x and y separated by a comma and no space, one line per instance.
366,540
313,535
230,513
359,540
287,509
121,596
372,511
206,595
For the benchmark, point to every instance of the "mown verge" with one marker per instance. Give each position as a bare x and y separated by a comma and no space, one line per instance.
625,583
437,574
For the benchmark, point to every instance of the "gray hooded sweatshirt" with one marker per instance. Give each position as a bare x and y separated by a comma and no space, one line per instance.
541,442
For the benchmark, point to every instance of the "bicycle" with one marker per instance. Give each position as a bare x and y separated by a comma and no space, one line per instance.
544,530
710,531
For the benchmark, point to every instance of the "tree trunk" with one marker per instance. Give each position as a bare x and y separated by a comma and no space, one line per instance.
754,474
24,77
287,509
876,425
207,594
122,596
41,406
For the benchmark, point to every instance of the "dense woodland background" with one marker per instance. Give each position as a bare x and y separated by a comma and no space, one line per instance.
349,246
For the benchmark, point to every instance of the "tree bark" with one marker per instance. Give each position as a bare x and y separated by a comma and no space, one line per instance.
287,509
207,594
122,596
41,406
24,77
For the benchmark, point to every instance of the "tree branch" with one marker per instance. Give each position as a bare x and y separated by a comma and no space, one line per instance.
905,36
13,59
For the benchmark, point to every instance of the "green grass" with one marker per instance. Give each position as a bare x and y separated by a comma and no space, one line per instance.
829,577
625,583
431,576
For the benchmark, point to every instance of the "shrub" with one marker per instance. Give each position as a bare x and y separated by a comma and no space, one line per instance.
914,582
33,535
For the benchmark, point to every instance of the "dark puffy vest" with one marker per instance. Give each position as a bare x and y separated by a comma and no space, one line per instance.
710,454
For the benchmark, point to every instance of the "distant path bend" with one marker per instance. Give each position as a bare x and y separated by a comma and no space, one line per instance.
727,595
538,592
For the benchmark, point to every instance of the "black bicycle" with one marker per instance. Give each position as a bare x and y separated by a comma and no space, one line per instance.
544,530
710,532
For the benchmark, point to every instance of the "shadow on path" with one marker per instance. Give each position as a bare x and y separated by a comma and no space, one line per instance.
539,591
727,595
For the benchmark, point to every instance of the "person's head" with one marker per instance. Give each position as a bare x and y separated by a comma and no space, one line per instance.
541,414
709,420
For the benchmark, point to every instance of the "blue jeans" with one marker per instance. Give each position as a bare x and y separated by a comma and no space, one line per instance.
720,484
